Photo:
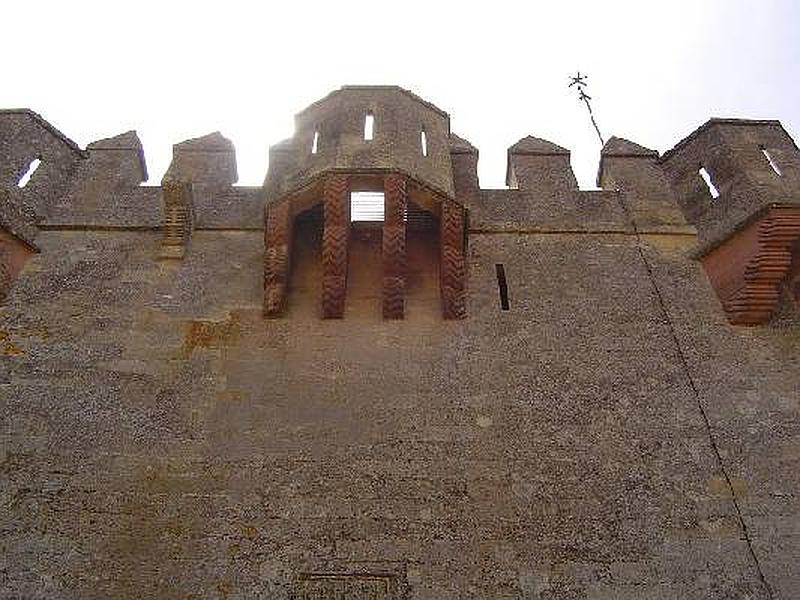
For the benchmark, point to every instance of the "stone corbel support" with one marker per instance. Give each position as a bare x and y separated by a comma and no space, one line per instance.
394,246
335,241
452,271
178,217
277,242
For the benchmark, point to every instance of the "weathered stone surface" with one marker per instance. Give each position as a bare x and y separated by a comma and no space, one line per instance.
731,151
339,119
178,221
643,186
540,168
609,436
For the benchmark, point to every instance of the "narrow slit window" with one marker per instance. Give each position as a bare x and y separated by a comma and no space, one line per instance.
771,162
712,189
26,177
502,286
423,141
315,143
369,126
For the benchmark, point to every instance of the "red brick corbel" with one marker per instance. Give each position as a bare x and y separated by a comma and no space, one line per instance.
747,270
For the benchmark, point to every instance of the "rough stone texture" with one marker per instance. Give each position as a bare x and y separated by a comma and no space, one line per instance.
730,150
13,255
464,158
25,136
210,159
633,170
519,210
15,220
178,221
610,436
104,190
399,115
540,167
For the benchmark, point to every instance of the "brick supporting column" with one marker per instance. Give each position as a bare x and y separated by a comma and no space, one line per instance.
178,221
277,242
452,271
394,246
335,239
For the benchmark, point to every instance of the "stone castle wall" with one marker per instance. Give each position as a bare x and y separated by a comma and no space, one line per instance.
610,435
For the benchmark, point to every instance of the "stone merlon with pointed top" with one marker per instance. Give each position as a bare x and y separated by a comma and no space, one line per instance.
210,159
646,193
540,166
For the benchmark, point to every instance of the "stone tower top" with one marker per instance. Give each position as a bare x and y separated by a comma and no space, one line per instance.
366,129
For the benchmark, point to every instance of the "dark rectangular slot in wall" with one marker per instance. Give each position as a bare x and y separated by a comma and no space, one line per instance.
502,285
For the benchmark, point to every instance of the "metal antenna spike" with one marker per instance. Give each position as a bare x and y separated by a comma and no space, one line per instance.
580,81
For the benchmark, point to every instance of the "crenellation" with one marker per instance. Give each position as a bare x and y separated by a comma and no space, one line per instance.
464,157
207,160
540,167
27,136
730,149
634,171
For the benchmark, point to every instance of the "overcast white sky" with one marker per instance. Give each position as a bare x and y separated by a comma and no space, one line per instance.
175,70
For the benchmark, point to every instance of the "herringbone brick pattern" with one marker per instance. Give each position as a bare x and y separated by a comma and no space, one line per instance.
335,240
277,239
394,246
452,271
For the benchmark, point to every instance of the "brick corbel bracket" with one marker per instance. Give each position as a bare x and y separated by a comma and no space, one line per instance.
178,220
334,190
747,270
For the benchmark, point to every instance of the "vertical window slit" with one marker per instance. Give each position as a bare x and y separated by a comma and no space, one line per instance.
423,141
771,162
369,126
26,177
502,286
712,189
315,143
